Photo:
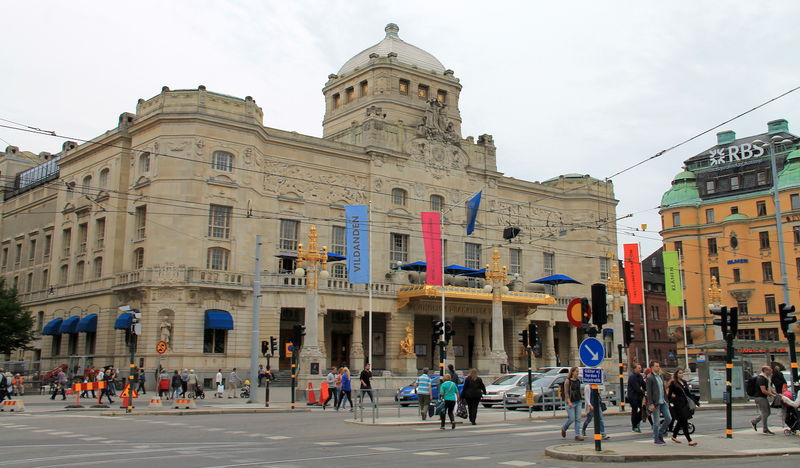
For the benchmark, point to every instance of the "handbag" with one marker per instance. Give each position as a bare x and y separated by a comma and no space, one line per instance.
440,408
461,411
431,409
777,402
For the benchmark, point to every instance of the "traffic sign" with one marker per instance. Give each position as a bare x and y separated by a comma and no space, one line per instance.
529,398
574,312
128,392
592,352
161,347
592,376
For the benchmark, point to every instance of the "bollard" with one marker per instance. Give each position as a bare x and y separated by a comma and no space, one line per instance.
13,405
184,403
155,403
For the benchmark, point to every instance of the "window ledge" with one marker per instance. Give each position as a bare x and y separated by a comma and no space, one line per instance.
226,183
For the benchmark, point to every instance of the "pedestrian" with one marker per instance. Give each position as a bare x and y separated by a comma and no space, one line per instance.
233,383
657,404
339,385
141,380
9,377
163,384
330,379
184,382
591,403
261,375
191,385
423,387
778,380
636,390
60,383
100,376
19,385
113,387
764,391
3,387
453,375
573,397
679,397
218,385
346,389
471,394
366,385
448,391
177,385
108,378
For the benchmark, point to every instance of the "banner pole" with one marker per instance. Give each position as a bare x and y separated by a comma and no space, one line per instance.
369,266
683,314
644,308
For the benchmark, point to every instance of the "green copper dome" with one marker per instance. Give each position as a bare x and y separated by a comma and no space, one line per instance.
683,191
789,177
734,216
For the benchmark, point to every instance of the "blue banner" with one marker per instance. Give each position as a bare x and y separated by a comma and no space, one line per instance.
357,218
472,211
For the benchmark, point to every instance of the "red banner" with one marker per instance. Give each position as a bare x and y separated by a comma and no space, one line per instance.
633,273
432,237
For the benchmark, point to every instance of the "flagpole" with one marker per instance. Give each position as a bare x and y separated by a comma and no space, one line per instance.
369,279
644,308
683,313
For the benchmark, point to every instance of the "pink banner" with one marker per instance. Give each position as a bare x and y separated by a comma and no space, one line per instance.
432,236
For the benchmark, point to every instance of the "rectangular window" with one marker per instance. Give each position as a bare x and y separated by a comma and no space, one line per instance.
338,241
350,94
214,341
472,255
31,251
766,271
72,344
676,219
45,278
29,282
734,210
55,349
654,311
364,88
66,240
437,203
441,96
83,233
769,304
403,87
97,268
768,334
289,232
100,233
709,215
549,268
422,91
79,271
141,221
338,270
742,306
735,182
63,275
714,271
679,248
48,244
222,161
763,239
398,248
217,259
761,208
797,265
746,334
711,186
794,200
89,343
712,246
337,101
219,221
761,178
515,261
737,275
5,258
18,254
604,268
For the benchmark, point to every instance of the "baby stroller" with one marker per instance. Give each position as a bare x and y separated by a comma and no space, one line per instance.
791,418
199,393
245,392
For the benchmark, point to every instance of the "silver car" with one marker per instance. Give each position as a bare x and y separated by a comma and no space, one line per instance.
496,391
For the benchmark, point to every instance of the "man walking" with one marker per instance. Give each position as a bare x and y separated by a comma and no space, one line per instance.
366,385
233,383
423,385
764,391
141,380
657,403
330,379
636,389
61,382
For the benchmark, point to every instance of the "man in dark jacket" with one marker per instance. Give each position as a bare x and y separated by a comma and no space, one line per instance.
636,389
657,403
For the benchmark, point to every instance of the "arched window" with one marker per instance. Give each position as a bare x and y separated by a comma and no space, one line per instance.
144,163
437,203
399,196
217,258
103,180
222,161
138,258
87,185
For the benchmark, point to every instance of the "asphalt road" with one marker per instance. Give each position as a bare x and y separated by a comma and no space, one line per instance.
315,439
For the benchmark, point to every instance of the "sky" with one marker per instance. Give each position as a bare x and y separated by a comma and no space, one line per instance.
586,87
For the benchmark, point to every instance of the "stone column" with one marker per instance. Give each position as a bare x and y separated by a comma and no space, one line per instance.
357,347
311,352
487,348
574,356
499,355
549,343
478,351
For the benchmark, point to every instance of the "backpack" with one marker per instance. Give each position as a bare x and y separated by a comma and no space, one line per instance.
751,386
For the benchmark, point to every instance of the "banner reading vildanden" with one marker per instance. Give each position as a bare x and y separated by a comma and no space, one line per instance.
357,219
672,277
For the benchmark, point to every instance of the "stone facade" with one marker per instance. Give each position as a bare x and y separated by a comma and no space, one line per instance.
161,213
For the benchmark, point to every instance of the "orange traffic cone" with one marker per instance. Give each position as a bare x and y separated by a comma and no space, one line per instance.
312,398
323,392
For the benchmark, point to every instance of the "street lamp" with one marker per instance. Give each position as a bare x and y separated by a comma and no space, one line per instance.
714,295
496,278
615,286
315,262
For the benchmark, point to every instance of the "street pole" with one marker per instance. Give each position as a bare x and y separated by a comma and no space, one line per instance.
621,380
442,355
132,347
294,374
728,386
598,437
793,357
268,369
530,372
254,342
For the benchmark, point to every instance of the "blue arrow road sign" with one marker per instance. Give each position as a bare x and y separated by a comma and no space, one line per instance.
591,352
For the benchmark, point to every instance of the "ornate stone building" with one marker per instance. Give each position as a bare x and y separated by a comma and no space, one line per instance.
161,213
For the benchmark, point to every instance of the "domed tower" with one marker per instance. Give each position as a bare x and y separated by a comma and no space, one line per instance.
395,82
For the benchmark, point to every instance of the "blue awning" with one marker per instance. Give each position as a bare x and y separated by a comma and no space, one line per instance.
123,321
218,320
88,324
458,270
476,274
70,325
332,257
415,266
53,327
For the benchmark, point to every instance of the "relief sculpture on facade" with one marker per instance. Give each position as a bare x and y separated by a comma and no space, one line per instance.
283,179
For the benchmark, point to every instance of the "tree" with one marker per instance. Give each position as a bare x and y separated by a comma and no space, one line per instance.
16,323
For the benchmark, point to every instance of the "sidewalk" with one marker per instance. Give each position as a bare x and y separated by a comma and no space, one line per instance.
745,443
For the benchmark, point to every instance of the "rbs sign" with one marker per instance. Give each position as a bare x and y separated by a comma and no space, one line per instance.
741,152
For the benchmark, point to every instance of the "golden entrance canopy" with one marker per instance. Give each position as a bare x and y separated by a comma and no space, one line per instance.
407,293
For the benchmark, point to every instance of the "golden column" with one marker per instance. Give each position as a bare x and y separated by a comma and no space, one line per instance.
496,278
315,262
615,286
714,303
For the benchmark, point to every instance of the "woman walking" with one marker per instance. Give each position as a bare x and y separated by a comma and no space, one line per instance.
177,385
163,384
573,398
679,398
472,392
346,389
448,391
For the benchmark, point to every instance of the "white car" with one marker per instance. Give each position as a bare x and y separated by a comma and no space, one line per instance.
497,390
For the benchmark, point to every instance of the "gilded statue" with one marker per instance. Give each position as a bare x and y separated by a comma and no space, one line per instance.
407,343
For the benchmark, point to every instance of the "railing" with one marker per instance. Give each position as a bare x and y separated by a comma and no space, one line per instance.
89,286
183,275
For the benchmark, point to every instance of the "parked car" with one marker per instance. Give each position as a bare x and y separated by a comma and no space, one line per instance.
546,387
553,370
496,391
694,386
407,395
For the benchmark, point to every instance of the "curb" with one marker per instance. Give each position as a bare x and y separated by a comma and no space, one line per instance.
608,456
209,411
396,423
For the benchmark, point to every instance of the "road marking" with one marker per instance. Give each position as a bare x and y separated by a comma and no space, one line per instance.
384,449
430,453
235,432
327,443
517,463
277,437
112,441
493,431
90,439
473,458
44,430
214,429
60,433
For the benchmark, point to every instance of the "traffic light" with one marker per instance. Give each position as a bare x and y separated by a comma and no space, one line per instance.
438,330
523,338
449,332
265,347
599,311
298,332
787,318
586,312
273,346
722,321
733,320
533,335
628,333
